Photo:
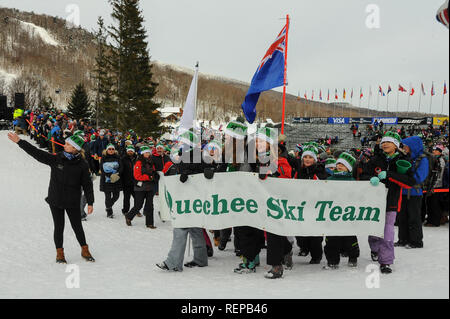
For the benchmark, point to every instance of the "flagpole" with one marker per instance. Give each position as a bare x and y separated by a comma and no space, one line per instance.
285,74
431,95
443,99
409,98
420,98
368,102
398,95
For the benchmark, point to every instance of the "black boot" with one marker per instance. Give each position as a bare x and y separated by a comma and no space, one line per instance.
109,213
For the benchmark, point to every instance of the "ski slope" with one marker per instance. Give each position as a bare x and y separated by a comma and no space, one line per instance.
126,256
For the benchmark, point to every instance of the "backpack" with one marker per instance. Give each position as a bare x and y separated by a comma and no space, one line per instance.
433,172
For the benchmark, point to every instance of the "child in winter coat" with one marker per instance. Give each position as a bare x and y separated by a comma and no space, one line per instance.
110,183
349,244
383,166
310,169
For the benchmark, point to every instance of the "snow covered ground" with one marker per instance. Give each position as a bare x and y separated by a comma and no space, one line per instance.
42,33
126,256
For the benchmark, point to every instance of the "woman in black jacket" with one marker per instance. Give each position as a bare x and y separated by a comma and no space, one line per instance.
128,160
69,173
110,182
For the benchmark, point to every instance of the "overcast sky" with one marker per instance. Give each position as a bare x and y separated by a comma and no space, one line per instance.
330,45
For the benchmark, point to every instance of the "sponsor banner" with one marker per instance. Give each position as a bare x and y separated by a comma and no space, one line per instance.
319,120
386,120
287,207
300,120
439,120
338,120
361,120
417,121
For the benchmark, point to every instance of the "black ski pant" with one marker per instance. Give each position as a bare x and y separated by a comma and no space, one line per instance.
127,193
251,240
410,221
431,210
335,244
59,221
139,199
111,198
311,245
277,248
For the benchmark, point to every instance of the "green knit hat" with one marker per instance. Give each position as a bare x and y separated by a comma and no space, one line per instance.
311,151
79,132
267,134
237,129
76,141
330,163
189,138
93,137
347,160
392,137
110,146
145,149
160,145
130,148
313,145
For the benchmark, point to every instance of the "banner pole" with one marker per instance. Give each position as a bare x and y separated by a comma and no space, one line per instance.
285,74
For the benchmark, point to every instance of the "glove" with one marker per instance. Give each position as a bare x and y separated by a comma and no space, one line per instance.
183,178
209,173
375,181
114,178
96,157
382,175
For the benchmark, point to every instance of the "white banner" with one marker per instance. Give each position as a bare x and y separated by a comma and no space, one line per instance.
287,207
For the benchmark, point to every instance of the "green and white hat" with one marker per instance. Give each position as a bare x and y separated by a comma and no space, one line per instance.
267,134
330,163
145,149
311,151
189,138
391,137
347,160
76,141
130,148
160,145
79,132
236,129
110,146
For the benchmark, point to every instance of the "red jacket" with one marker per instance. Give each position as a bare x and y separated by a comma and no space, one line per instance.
284,169
137,172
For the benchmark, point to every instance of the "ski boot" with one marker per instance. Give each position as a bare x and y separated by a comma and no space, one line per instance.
400,243
246,267
60,259
374,256
274,273
192,264
287,261
385,269
315,261
86,254
353,262
331,266
209,251
109,213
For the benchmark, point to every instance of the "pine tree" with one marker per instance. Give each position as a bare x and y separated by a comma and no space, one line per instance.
104,112
134,89
79,107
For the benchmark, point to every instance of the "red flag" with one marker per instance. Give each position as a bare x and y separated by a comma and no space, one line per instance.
320,94
412,92
445,88
335,94
401,88
305,96
312,96
361,94
328,98
432,89
423,89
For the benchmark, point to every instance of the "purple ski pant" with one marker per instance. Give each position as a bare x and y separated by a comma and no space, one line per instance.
385,246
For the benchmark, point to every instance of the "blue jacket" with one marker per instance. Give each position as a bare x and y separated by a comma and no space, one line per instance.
416,145
100,145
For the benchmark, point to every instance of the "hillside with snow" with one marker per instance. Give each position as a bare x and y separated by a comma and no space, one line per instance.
126,256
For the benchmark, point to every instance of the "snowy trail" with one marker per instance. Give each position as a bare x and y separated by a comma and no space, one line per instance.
126,256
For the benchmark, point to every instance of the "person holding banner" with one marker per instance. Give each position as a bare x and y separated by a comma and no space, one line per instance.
389,166
335,244
311,169
187,166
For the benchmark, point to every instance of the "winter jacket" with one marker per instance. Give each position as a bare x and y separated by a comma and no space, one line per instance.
100,146
127,171
105,184
316,172
159,160
144,175
67,177
416,145
394,181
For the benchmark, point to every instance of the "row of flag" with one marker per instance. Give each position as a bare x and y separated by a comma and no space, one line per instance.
381,92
